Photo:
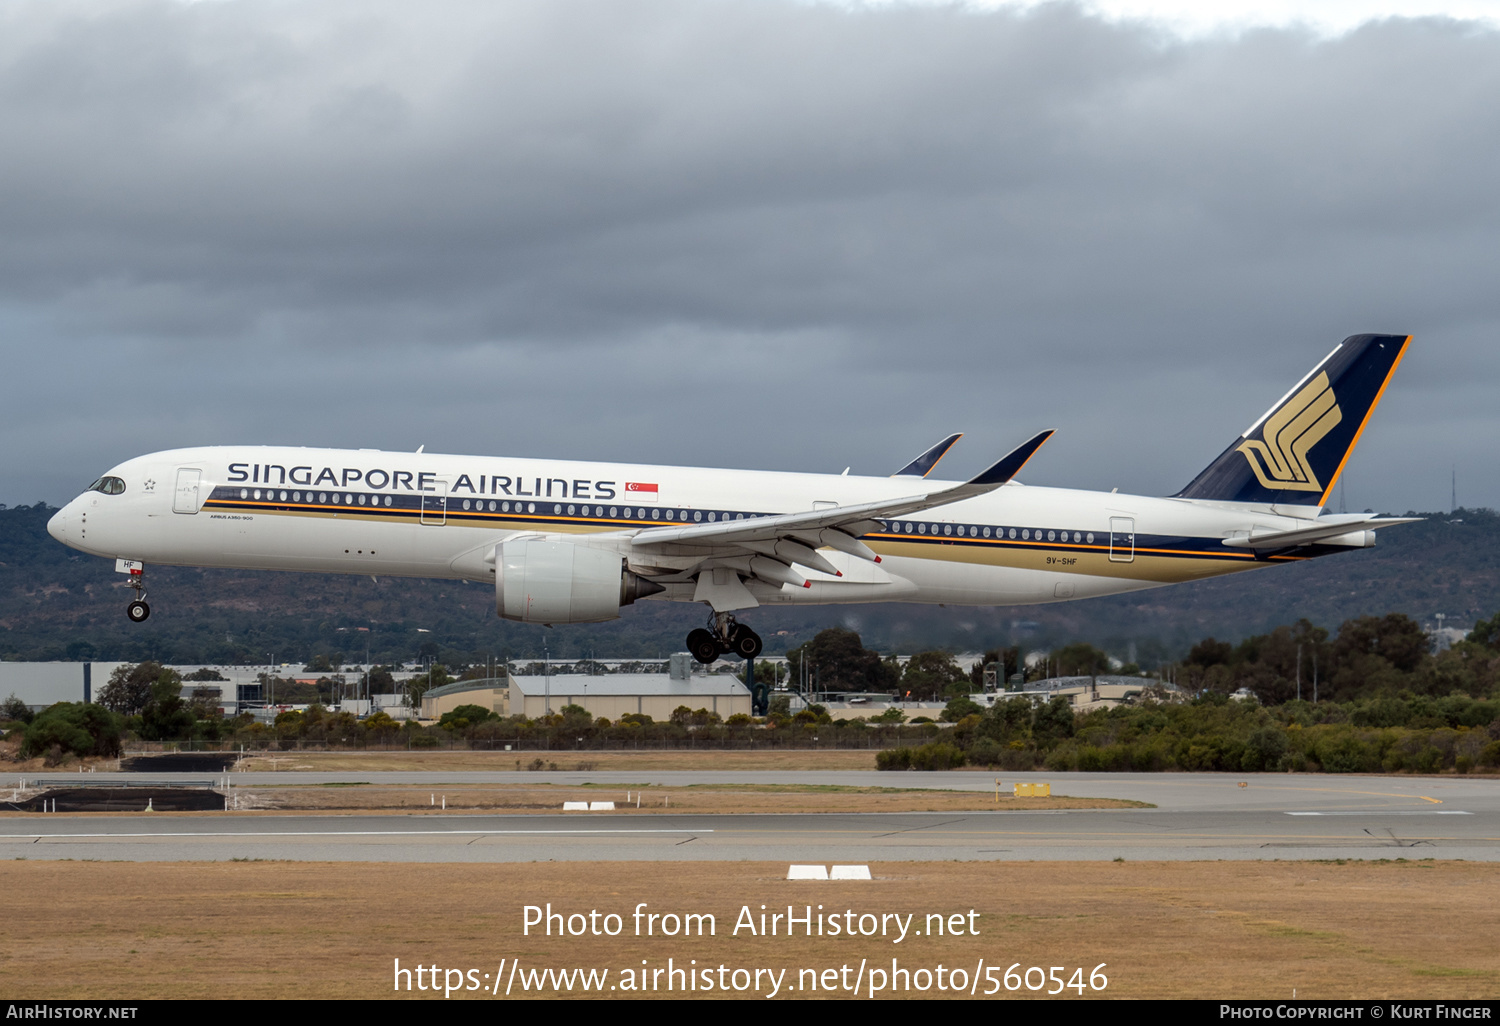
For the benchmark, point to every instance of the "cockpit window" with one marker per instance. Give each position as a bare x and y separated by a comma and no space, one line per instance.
108,485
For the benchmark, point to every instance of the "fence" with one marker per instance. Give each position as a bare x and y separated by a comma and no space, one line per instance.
832,741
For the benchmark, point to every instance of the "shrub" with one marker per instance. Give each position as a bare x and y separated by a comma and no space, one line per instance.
960,707
986,752
937,755
1062,759
1344,754
1264,749
75,728
466,715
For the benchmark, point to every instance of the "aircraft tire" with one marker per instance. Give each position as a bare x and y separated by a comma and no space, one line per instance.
138,611
703,646
745,643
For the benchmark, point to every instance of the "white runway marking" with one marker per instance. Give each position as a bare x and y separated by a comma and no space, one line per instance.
1424,812
349,833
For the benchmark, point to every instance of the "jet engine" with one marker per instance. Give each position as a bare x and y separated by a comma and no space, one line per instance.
558,582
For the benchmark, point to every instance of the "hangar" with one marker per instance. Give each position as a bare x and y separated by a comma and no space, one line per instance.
611,696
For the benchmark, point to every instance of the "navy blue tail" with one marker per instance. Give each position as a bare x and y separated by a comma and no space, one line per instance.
1294,453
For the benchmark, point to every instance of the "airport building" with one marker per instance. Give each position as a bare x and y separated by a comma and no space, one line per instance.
42,684
610,696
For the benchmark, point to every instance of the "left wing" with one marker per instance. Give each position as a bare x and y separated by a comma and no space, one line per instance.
923,464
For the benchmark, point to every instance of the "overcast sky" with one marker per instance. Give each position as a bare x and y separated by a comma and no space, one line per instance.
764,234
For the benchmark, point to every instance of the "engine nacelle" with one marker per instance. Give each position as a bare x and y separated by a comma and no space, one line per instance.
558,582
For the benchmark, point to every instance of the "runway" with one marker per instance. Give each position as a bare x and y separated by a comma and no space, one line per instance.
1199,817
1178,792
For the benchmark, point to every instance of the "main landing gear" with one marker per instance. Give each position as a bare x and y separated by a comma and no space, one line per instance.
724,636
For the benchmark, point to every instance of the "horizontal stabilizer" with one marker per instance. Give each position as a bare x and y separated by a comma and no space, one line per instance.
1324,529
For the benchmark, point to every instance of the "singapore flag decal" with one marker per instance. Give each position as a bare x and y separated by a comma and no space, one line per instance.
640,491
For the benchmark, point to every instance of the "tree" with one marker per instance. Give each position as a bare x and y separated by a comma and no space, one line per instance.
767,672
419,686
1375,653
1486,633
930,674
15,709
1007,721
1053,721
382,681
166,716
1209,652
1395,637
1007,660
1079,660
129,687
836,660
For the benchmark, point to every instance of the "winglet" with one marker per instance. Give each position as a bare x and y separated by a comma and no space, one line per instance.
1011,463
923,464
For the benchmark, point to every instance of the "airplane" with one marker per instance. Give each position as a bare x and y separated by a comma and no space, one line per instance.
576,542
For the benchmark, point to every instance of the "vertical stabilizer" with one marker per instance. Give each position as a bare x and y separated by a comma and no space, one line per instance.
1294,453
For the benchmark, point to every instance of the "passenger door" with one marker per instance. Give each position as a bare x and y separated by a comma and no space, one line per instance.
185,495
435,504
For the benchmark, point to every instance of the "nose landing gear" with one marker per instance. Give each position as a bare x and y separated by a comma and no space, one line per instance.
724,636
138,610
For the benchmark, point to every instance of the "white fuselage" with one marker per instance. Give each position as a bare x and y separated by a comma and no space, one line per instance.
429,515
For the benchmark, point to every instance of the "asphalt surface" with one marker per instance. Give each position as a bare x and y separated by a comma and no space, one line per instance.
1198,817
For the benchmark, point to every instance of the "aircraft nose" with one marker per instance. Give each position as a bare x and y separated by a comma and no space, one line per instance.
57,527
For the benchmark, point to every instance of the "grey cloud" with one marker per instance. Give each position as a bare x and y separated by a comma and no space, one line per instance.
761,234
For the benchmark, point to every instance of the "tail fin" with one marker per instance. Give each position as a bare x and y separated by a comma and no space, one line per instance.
1294,453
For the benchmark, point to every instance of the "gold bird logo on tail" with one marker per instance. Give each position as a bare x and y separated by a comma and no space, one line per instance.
1289,433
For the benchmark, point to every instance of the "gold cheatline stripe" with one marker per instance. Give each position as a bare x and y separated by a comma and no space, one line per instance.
378,513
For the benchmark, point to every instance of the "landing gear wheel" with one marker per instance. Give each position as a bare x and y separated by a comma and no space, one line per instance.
138,611
744,642
703,646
